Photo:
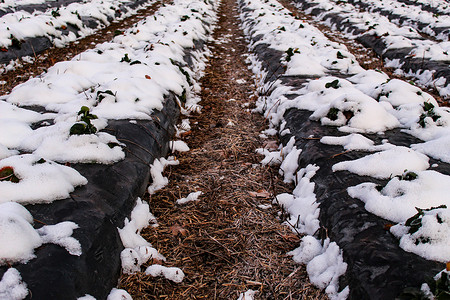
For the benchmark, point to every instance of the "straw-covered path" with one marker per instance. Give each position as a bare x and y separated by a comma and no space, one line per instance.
226,243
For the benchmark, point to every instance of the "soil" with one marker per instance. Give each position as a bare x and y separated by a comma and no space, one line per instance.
224,243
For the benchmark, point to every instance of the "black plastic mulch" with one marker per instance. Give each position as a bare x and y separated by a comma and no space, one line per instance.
377,267
36,45
409,63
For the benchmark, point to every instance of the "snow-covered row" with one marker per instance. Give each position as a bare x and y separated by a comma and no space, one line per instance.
426,60
21,25
125,79
23,33
7,5
436,6
365,104
426,22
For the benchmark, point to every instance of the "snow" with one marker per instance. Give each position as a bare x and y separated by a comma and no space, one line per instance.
156,169
431,240
399,198
12,287
401,30
24,25
137,250
324,264
119,294
368,102
171,273
18,238
61,235
248,295
301,204
437,148
179,146
40,181
290,165
86,297
191,197
385,164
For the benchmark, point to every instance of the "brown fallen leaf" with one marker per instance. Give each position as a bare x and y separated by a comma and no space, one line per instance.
270,145
260,194
148,77
157,261
387,227
183,134
178,230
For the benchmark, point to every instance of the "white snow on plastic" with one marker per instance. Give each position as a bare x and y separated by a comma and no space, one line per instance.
40,181
324,264
86,297
396,33
18,238
386,163
431,240
301,204
61,234
22,24
399,198
290,164
12,287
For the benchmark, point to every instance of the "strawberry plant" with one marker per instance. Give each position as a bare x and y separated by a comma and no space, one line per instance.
415,222
125,58
333,114
339,55
15,42
428,109
85,126
333,84
102,95
290,52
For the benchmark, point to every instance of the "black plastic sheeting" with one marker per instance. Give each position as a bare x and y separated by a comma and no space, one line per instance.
400,19
413,64
36,45
425,6
377,267
99,208
30,8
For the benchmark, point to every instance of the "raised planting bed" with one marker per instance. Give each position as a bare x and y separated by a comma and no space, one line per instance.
72,178
32,29
401,47
343,137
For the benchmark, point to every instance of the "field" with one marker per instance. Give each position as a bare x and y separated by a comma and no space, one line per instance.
250,149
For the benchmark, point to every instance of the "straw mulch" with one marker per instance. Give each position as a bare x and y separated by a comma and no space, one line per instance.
224,243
